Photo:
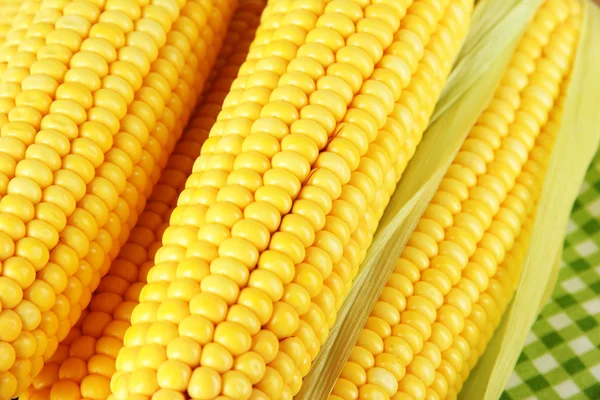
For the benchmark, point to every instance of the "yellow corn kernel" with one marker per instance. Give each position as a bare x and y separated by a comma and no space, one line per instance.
118,292
461,265
330,95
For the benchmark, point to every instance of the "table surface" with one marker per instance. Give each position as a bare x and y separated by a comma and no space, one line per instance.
561,358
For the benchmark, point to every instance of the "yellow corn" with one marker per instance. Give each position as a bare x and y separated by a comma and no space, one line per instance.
487,311
85,361
284,199
228,262
93,97
462,263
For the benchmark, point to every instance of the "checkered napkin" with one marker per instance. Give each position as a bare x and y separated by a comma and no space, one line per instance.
561,358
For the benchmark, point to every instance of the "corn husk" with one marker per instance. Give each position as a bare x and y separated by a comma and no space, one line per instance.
496,29
574,149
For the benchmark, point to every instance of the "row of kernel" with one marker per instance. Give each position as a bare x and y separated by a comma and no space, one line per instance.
544,143
272,388
188,82
495,293
119,291
98,259
406,336
184,353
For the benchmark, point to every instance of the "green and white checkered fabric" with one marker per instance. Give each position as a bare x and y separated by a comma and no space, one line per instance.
561,358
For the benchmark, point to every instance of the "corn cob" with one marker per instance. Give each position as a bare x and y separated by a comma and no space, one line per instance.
461,265
85,360
295,153
134,103
502,286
